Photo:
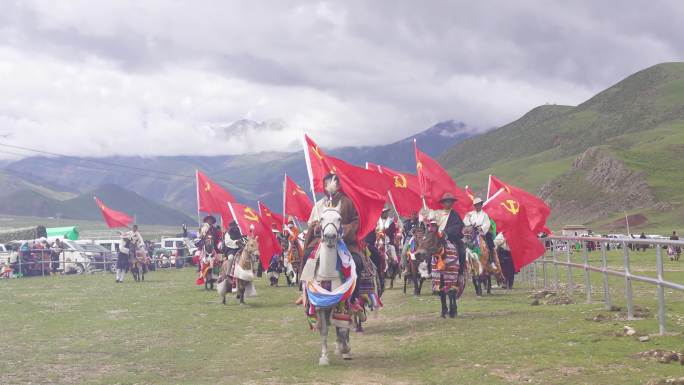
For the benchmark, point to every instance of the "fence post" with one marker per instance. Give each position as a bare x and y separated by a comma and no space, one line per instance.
555,268
544,272
606,287
570,285
661,291
534,274
587,281
628,283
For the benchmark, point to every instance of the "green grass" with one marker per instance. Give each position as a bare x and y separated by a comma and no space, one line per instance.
87,329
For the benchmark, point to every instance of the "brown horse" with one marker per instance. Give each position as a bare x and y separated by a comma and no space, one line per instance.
483,262
243,272
389,266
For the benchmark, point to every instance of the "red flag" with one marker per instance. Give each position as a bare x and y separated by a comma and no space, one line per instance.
405,190
537,210
295,201
469,193
367,189
211,197
113,218
435,182
510,216
270,217
251,223
317,163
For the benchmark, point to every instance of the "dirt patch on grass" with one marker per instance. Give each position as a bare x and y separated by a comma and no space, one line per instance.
662,356
547,297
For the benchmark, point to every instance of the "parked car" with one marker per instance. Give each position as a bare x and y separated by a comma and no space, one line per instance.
100,257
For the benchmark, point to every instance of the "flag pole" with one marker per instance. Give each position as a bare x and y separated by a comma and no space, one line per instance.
284,198
310,171
199,217
420,178
489,185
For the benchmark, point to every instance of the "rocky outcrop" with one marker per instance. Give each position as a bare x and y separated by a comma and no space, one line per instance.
598,185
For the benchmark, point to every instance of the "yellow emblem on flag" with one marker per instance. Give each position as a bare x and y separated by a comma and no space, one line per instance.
400,181
251,215
298,191
207,186
512,206
317,152
419,165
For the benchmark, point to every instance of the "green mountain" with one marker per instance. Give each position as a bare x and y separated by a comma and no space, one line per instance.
620,151
26,202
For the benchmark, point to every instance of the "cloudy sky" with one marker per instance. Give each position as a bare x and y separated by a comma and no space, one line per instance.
170,77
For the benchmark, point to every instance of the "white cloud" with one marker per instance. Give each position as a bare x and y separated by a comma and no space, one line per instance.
158,77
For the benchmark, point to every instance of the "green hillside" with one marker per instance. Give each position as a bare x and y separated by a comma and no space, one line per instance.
620,151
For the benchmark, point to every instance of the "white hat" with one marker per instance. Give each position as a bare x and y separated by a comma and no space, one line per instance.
477,200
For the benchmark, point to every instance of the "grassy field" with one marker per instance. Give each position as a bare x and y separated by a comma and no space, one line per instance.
88,329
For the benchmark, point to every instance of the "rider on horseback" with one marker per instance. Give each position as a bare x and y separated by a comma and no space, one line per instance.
480,220
350,222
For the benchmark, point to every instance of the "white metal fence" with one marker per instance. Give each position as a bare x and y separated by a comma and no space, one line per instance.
558,254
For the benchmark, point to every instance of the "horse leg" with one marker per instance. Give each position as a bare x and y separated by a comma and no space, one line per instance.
323,318
478,287
241,291
488,282
343,343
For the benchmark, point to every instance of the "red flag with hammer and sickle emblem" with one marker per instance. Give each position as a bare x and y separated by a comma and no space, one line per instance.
435,182
211,197
296,201
510,215
367,189
113,218
537,210
270,217
404,191
251,224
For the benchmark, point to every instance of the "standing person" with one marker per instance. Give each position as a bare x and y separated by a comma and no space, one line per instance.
122,257
643,247
480,220
55,252
677,249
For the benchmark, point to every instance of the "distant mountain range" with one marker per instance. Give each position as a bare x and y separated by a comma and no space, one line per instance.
622,151
52,186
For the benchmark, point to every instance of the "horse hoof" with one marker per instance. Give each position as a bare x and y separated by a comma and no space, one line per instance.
346,356
323,361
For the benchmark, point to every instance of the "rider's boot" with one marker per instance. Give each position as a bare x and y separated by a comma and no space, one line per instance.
442,299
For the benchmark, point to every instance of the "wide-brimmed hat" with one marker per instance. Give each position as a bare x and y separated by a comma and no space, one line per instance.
477,201
448,197
209,218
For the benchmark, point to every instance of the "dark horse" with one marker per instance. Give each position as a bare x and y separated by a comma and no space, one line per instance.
136,261
423,245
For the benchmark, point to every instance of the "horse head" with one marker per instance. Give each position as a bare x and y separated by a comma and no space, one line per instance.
331,226
251,248
428,243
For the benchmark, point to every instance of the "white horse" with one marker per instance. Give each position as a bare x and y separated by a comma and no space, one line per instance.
322,271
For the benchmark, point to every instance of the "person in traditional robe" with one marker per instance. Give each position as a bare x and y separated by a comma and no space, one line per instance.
480,220
451,224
